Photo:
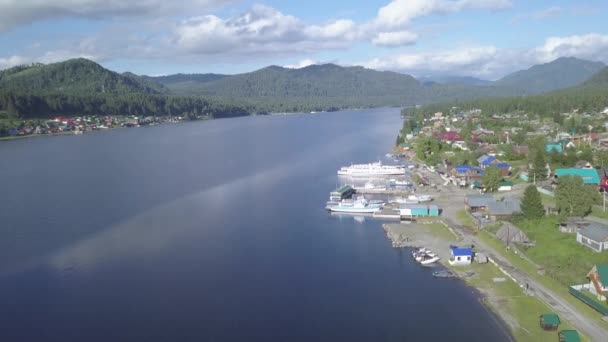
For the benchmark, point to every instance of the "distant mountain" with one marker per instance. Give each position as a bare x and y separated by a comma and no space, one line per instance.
313,81
74,76
599,79
466,80
561,73
185,84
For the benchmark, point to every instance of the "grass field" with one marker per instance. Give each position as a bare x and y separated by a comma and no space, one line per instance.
519,310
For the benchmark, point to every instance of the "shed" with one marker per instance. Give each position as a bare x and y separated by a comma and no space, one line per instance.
477,202
433,210
460,256
589,176
569,336
572,225
486,160
549,321
341,193
419,210
594,236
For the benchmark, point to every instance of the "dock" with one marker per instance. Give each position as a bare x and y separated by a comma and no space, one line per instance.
389,212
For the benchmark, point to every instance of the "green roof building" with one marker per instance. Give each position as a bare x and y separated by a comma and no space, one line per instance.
549,321
589,176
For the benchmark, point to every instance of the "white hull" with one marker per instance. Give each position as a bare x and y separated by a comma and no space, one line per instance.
372,169
354,210
429,261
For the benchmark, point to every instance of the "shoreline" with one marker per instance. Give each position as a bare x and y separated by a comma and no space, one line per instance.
412,235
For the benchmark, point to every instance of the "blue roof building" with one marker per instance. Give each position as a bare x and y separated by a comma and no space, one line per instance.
554,146
486,160
460,256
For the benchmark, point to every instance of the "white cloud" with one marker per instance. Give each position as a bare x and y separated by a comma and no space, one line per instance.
11,61
401,12
396,38
260,30
18,12
301,64
591,46
480,61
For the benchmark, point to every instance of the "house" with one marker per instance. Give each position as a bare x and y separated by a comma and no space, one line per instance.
589,176
467,172
573,225
594,236
598,282
505,168
460,256
477,202
486,160
503,210
449,136
505,186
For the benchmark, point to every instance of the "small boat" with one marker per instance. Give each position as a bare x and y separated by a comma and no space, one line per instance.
403,183
427,260
402,200
444,274
411,166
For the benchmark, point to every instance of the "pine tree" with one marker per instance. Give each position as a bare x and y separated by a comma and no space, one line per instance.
539,167
573,198
532,206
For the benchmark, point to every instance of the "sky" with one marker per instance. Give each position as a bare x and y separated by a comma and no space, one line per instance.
482,38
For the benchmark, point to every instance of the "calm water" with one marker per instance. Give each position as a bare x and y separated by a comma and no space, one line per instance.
211,231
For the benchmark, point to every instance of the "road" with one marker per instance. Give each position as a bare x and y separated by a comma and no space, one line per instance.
451,200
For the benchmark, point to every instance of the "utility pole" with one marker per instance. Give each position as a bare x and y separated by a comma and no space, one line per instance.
604,195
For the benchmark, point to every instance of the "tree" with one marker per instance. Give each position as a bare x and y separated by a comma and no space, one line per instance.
573,198
492,176
539,166
532,206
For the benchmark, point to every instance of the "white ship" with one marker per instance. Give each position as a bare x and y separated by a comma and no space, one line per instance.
359,206
371,169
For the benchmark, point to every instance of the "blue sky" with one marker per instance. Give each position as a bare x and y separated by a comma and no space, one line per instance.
482,38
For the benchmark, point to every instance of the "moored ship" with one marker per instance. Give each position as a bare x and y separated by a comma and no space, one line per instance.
371,169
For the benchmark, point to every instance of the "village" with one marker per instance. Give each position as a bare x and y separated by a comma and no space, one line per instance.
78,124
530,189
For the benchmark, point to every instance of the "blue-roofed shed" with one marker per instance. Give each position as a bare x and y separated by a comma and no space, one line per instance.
433,210
460,256
485,161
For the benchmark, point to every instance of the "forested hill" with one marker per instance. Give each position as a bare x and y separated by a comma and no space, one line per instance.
328,86
328,80
74,76
561,73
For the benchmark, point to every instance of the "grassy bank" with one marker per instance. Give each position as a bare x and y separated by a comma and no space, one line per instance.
508,300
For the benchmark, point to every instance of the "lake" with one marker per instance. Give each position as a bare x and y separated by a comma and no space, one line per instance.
212,231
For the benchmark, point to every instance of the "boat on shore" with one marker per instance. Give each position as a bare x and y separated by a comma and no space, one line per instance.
444,274
425,256
371,169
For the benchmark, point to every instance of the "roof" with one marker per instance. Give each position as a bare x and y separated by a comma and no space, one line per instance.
602,272
554,146
485,159
467,168
589,176
596,232
344,189
479,200
456,251
570,336
506,207
550,319
503,165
